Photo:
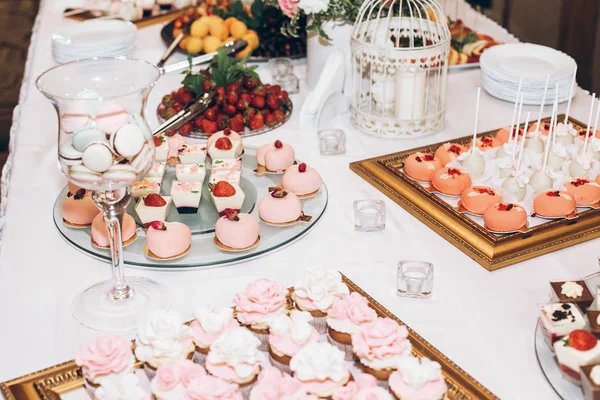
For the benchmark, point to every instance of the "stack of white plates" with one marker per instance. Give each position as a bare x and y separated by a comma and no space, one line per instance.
503,66
95,38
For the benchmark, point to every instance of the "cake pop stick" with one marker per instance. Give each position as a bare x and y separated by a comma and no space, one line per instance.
517,128
573,83
539,121
512,121
555,118
521,150
596,121
476,119
589,123
549,143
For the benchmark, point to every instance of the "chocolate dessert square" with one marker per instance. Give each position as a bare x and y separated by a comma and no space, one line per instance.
589,377
573,292
593,322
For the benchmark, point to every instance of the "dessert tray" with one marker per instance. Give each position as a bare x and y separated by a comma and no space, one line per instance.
467,232
66,381
156,17
203,252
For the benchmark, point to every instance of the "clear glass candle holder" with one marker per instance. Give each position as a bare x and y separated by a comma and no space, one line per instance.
289,83
332,141
415,279
280,67
369,215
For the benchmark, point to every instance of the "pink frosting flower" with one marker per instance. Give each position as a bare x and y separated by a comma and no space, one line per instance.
211,388
353,307
167,377
385,337
288,7
104,355
361,381
274,385
261,298
189,371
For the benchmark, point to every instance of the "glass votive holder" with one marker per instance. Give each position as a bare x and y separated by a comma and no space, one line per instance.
415,279
290,83
280,67
332,141
369,215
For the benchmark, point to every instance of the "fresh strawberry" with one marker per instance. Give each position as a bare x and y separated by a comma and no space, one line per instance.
270,119
242,105
250,82
198,122
206,86
222,120
278,144
275,89
302,167
246,96
223,189
180,91
167,100
233,87
230,110
220,90
226,131
237,123
186,97
259,91
231,97
154,200
265,112
209,127
283,95
249,113
157,141
279,115
582,340
257,121
186,129
158,225
177,107
258,102
273,102
223,143
210,114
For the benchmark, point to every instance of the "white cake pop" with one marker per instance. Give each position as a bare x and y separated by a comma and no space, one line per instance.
513,187
507,150
540,181
557,156
534,143
565,134
473,162
579,167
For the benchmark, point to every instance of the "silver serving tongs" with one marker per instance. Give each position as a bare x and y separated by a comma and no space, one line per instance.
234,47
170,50
185,115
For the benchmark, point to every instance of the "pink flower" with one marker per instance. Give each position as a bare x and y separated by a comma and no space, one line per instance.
361,381
288,7
274,385
211,388
262,297
104,355
167,377
381,339
189,371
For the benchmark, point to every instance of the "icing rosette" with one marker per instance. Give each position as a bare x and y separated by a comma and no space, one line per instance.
382,344
350,314
418,379
127,387
172,380
274,385
212,388
163,339
318,288
360,383
260,299
105,355
210,323
288,334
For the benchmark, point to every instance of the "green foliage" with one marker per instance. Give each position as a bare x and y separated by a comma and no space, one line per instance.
236,10
459,43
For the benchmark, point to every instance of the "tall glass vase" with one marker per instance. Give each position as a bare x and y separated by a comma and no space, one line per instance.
105,145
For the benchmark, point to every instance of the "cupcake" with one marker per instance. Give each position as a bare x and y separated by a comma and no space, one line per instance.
172,380
235,358
347,316
321,369
261,299
127,386
208,325
163,339
380,346
211,388
315,292
274,385
416,380
363,387
104,358
288,335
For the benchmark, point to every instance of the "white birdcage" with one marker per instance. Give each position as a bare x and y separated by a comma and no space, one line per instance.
400,67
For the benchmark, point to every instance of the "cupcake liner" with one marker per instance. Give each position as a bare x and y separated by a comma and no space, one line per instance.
150,371
346,348
280,366
90,388
245,390
264,340
320,324
199,358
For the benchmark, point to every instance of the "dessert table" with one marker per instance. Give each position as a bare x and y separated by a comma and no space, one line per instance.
483,321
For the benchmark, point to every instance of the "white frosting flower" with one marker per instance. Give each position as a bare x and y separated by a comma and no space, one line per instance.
319,361
297,325
417,373
313,6
563,130
559,149
238,348
162,335
585,161
213,320
321,286
125,388
373,393
571,289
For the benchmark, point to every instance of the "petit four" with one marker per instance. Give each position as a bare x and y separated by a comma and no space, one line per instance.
226,149
484,143
235,164
144,187
450,181
358,387
100,236
574,350
126,386
420,166
161,148
168,239
348,315
476,199
79,209
273,384
590,381
175,142
448,152
192,153
301,180
186,196
275,157
544,128
156,172
554,203
572,292
585,192
208,325
232,176
236,230
153,207
73,188
502,217
288,335
225,195
209,388
173,380
593,317
280,207
190,172
559,319
418,379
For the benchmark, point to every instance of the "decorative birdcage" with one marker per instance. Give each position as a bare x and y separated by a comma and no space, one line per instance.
400,68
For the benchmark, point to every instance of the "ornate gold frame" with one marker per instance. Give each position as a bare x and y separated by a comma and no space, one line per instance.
489,250
50,383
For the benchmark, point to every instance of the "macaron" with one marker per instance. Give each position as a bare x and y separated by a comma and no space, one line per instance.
143,159
90,100
141,123
75,117
82,138
128,140
111,117
98,157
120,173
69,155
81,173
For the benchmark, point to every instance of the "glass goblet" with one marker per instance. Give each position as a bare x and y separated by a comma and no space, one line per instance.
105,145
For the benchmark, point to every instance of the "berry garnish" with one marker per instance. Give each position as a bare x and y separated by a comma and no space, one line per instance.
154,200
486,141
454,172
505,207
223,189
582,340
579,182
231,214
454,149
583,132
302,167
157,141
278,144
79,194
226,131
158,225
279,193
553,193
546,126
427,157
484,190
223,143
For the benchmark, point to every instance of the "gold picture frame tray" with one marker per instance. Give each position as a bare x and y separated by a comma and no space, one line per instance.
50,383
489,250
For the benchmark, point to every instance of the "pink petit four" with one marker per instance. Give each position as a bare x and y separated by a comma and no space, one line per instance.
274,385
73,188
503,217
161,148
276,157
80,209
418,380
100,232
153,207
421,166
449,152
486,142
554,203
226,164
168,239
208,325
301,180
585,192
280,207
504,134
225,195
288,335
186,196
544,128
477,199
172,380
127,386
238,231
190,172
231,134
560,319
578,348
232,176
450,181
225,145
144,187
192,153
211,388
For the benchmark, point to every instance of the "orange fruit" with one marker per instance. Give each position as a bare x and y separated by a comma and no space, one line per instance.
229,21
218,29
252,38
244,52
238,29
184,41
199,28
212,43
194,45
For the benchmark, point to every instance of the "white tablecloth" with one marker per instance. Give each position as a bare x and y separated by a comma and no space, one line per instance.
481,320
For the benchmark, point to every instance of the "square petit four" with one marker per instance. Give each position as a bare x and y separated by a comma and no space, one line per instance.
574,350
144,187
227,175
192,153
153,207
157,171
590,381
161,148
225,148
190,172
233,163
559,319
226,195
186,196
572,292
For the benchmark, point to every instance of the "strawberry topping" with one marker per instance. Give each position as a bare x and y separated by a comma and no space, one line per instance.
486,141
454,172
583,132
427,157
302,167
582,340
278,144
454,149
226,131
505,207
223,189
484,190
157,141
158,225
231,214
579,182
223,143
154,200
553,193
279,193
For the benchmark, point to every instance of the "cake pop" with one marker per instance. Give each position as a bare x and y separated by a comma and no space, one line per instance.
513,185
579,167
540,180
564,130
473,162
534,143
504,135
510,148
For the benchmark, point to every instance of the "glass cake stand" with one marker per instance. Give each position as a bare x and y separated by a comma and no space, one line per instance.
547,361
203,252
